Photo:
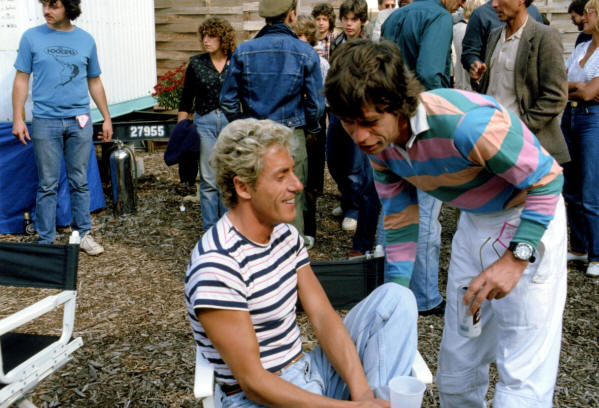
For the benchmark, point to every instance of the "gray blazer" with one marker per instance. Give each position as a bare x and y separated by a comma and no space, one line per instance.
541,83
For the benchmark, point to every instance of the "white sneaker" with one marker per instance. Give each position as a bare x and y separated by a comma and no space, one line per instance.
308,241
337,211
593,269
349,224
191,198
574,257
89,246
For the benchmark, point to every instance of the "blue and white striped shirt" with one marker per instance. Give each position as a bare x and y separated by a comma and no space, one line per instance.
228,271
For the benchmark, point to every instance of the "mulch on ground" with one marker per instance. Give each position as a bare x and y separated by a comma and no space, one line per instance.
138,348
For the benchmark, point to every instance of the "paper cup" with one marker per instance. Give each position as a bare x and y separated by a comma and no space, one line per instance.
406,392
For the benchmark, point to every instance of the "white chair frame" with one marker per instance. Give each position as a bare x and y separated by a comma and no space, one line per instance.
204,385
20,380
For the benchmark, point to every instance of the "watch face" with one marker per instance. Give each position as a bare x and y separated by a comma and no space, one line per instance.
523,252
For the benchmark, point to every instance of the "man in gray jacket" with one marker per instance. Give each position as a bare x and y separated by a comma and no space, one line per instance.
524,70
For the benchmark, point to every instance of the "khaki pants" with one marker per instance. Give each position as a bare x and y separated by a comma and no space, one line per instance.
300,156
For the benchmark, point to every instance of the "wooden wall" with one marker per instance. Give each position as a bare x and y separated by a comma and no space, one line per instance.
178,20
557,13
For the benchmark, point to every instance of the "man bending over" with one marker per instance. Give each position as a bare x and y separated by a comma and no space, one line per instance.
510,246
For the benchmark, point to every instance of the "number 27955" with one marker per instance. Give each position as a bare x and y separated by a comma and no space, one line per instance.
147,131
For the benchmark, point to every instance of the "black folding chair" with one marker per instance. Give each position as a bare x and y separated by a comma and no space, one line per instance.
347,282
25,358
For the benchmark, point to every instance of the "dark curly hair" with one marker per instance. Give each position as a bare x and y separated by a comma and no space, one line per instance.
222,29
326,10
306,25
358,7
72,7
364,72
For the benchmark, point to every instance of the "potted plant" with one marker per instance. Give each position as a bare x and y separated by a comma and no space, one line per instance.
169,88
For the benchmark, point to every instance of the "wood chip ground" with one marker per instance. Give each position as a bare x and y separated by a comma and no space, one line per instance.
138,349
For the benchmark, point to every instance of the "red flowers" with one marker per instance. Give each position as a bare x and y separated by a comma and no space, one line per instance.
169,88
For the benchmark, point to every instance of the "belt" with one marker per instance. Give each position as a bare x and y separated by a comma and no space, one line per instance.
232,389
580,104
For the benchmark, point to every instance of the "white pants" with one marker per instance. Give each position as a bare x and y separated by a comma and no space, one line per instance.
520,332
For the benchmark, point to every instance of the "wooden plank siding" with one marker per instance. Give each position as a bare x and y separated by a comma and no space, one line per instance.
177,22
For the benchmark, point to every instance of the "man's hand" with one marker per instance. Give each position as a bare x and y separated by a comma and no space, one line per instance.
477,69
369,401
495,282
19,130
374,403
106,135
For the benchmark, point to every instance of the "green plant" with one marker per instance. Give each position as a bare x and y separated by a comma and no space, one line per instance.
169,88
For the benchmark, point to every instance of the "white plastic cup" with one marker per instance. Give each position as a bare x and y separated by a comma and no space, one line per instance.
406,392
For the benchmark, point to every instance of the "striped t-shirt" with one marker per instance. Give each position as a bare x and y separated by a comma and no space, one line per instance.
227,271
471,153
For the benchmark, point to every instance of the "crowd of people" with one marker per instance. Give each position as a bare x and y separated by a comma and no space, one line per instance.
399,139
435,101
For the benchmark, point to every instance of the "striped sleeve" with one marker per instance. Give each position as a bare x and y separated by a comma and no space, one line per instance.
214,281
504,146
400,210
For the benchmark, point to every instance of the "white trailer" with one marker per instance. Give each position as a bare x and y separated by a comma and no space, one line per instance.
124,32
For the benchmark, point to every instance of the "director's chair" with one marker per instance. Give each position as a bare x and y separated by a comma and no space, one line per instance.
25,358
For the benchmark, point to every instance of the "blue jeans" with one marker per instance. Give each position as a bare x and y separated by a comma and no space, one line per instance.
425,276
343,160
580,126
351,170
383,328
53,139
208,127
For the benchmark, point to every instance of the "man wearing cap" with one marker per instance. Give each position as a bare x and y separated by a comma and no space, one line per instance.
276,76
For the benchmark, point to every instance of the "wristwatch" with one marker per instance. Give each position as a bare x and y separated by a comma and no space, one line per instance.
522,251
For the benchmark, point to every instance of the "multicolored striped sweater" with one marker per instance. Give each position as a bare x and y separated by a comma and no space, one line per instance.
473,154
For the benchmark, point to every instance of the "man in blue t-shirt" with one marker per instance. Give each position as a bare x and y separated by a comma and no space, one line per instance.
64,64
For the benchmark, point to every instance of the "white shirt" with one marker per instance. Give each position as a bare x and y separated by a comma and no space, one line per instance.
591,67
462,78
501,69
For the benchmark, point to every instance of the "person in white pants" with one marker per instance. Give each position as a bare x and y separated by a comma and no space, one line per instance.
528,318
472,153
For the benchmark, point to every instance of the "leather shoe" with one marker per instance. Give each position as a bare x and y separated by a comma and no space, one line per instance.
354,254
438,310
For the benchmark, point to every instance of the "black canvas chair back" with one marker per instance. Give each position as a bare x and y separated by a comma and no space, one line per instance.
39,265
347,282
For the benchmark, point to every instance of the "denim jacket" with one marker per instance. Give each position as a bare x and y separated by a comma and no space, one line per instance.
274,76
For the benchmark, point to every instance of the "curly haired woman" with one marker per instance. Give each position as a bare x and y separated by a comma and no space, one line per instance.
201,90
